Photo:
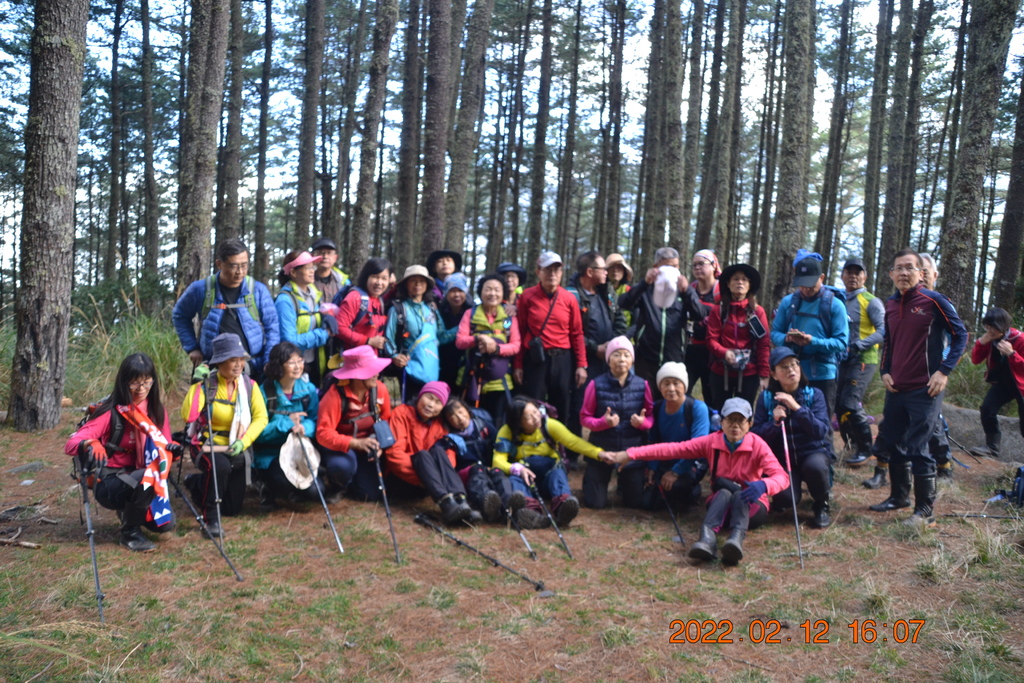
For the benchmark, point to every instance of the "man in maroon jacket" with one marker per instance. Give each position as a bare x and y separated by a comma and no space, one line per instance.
914,373
553,356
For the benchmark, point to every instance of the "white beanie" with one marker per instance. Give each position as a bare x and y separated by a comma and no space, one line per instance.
677,370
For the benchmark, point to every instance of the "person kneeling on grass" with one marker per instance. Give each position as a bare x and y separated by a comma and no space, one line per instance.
744,473
527,450
422,456
488,489
618,410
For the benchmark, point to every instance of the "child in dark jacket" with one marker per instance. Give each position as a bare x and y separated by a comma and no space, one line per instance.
617,409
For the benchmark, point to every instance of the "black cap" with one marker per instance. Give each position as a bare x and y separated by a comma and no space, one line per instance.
323,243
854,263
807,272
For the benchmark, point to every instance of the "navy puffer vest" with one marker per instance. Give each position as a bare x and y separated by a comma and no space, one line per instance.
624,400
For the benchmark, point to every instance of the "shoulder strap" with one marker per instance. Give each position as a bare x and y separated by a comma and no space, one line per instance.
250,298
209,296
116,430
551,309
688,413
825,309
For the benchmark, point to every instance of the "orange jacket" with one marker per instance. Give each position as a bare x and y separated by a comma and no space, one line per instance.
332,432
412,435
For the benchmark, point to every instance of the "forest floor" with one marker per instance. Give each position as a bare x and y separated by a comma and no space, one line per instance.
307,613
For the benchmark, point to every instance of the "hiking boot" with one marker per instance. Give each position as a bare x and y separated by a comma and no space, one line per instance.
492,506
924,499
531,519
213,530
877,480
858,458
899,490
453,511
565,508
706,547
821,520
732,549
516,501
474,517
133,539
268,502
990,449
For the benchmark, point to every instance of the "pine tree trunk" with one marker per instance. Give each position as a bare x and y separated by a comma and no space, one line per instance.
534,231
909,164
435,131
876,135
409,139
988,41
151,206
1011,235
709,174
728,129
314,63
837,124
680,228
261,265
41,310
385,18
113,225
208,44
228,213
613,160
566,181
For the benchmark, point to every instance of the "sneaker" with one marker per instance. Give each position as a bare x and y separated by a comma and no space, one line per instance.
858,458
474,517
531,519
516,501
453,511
492,506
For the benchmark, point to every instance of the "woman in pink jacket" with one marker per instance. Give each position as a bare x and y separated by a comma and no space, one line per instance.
744,476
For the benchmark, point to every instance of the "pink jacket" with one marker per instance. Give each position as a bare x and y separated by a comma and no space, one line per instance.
464,339
751,460
132,455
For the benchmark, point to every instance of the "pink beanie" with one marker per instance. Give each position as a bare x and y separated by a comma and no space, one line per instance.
439,389
620,342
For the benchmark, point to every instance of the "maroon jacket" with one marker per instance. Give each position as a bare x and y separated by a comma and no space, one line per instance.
734,333
915,326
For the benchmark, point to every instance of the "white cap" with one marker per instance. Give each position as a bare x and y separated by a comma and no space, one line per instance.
548,258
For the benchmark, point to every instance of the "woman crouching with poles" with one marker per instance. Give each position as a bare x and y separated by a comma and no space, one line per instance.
744,474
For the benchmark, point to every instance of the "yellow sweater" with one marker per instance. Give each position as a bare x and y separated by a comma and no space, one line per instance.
223,413
507,451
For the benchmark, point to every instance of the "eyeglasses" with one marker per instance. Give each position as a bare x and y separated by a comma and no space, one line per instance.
323,252
905,269
235,267
148,384
294,364
787,366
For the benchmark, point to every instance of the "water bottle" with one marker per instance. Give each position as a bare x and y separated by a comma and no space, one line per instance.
716,421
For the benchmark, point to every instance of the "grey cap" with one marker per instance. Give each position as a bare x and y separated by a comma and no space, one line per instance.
737,405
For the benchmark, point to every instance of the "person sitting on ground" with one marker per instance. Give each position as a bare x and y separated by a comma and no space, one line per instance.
292,407
737,338
789,398
440,264
412,328
678,417
1002,349
515,279
487,488
744,474
239,416
344,427
451,310
115,445
489,333
424,459
298,312
361,316
618,410
527,449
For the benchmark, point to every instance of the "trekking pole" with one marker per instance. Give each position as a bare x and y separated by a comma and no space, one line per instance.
213,466
427,521
83,480
792,494
319,490
961,447
375,456
965,515
671,514
202,525
536,494
512,518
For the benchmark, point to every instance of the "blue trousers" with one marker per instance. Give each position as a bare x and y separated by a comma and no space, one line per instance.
551,478
908,422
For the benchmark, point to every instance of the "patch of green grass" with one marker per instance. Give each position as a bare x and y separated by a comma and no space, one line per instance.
616,636
406,586
440,598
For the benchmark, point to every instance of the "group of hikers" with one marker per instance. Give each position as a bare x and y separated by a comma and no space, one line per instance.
483,396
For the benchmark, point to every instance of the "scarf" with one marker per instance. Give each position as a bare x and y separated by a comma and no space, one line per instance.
158,463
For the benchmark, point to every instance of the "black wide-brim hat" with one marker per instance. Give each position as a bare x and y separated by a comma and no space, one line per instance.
748,270
441,253
509,267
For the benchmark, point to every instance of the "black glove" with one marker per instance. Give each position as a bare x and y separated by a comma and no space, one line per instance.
175,449
92,455
329,323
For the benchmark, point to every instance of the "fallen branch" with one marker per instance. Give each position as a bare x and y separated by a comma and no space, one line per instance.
21,544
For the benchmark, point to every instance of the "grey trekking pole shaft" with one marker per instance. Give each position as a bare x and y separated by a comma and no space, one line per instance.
202,524
90,533
213,464
316,485
671,514
375,455
512,518
792,493
544,506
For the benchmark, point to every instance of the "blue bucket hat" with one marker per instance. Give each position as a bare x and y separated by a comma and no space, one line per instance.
227,345
456,281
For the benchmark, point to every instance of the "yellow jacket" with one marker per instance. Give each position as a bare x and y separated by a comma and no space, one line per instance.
224,410
506,451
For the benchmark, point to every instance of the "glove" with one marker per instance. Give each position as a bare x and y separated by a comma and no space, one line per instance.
236,448
201,372
175,449
456,443
329,323
92,454
753,491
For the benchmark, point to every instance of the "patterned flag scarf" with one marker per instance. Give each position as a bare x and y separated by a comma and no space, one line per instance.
158,464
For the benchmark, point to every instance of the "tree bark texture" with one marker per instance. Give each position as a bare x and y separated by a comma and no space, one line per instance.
261,267
409,138
114,160
534,232
435,133
152,204
1004,282
314,64
876,133
228,219
680,230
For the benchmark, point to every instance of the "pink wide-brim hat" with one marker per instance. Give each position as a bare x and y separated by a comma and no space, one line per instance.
360,362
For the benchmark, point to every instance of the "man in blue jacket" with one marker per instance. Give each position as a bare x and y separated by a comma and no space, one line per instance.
228,301
819,336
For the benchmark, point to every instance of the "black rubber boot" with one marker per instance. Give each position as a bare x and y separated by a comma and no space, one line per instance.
924,500
821,520
991,447
877,480
452,510
706,547
899,489
732,549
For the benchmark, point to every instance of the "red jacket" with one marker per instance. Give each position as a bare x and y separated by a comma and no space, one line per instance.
412,435
564,329
989,352
735,334
131,455
370,322
751,460
334,430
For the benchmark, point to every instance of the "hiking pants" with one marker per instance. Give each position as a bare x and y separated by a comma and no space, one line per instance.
340,467
812,469
114,493
854,378
230,479
908,422
436,473
553,381
999,395
551,478
726,510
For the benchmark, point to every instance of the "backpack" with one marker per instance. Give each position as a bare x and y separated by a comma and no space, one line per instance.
272,403
768,397
364,302
248,301
401,333
299,311
113,443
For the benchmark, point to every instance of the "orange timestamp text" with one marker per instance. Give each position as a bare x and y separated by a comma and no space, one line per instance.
770,631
